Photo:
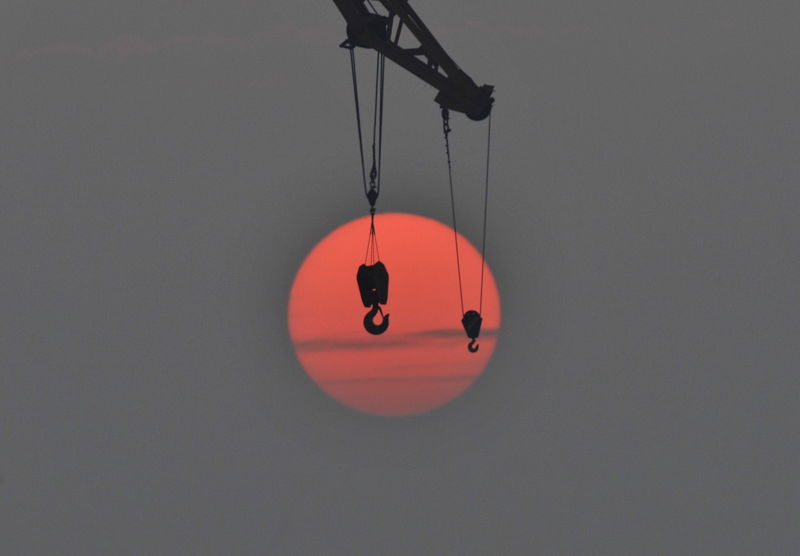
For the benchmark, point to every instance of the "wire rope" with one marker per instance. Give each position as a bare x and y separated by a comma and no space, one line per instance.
446,128
485,209
358,118
372,254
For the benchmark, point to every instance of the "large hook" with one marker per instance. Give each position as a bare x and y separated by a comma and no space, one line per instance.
472,326
370,326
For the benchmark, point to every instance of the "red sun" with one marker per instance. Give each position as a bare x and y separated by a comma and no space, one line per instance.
421,361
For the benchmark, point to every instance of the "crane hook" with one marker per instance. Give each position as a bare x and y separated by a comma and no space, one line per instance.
472,326
370,326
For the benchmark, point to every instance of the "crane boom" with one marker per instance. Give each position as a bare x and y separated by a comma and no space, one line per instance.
428,61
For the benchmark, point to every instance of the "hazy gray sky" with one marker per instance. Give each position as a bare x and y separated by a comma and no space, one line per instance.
165,169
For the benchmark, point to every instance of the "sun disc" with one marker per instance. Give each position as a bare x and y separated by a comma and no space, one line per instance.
421,362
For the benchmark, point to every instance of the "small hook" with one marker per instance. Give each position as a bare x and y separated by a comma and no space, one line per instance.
370,326
472,347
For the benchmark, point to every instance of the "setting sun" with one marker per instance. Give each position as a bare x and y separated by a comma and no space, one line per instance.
421,361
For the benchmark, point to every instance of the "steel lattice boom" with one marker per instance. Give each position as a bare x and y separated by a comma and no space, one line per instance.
428,60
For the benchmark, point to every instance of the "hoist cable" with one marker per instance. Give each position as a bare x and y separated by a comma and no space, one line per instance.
358,118
446,128
377,127
380,122
375,240
369,246
485,208
377,124
373,173
372,253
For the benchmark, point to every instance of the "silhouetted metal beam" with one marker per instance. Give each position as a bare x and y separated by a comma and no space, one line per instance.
457,91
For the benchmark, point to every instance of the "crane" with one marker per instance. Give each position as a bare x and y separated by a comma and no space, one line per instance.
370,29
